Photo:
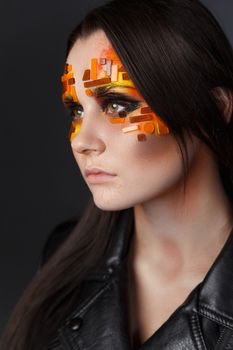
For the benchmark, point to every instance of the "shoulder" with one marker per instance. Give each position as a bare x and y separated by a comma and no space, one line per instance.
56,238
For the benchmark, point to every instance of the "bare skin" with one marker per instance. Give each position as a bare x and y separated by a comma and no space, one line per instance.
177,237
176,241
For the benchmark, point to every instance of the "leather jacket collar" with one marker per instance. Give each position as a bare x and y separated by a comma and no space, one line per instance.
204,321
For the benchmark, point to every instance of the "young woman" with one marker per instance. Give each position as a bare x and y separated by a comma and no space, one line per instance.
149,88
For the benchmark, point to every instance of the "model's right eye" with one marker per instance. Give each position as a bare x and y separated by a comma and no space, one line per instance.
74,110
77,111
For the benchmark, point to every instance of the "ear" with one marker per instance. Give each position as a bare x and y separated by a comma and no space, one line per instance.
224,100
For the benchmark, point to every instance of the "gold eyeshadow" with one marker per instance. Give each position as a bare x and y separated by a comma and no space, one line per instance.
108,73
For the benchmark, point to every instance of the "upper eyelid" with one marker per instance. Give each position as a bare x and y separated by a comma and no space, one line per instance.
105,95
73,105
117,96
100,101
104,105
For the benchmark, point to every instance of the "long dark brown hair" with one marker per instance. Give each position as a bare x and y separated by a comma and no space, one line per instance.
175,53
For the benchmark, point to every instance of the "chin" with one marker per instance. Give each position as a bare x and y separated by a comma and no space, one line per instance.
111,205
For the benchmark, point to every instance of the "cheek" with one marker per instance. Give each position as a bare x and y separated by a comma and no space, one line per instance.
156,150
153,165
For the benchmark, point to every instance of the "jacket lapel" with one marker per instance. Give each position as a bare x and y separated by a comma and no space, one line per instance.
216,294
205,319
102,313
101,320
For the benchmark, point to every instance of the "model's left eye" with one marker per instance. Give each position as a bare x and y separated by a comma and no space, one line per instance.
115,108
119,108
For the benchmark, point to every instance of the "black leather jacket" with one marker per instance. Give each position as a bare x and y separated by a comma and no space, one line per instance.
204,321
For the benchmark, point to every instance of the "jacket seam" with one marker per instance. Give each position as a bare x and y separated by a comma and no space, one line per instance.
86,303
217,316
196,328
91,300
65,334
223,331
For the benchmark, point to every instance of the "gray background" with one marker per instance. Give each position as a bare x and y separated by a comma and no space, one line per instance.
41,185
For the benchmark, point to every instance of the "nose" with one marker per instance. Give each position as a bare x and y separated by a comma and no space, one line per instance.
90,136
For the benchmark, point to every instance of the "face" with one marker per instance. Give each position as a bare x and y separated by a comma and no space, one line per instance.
114,129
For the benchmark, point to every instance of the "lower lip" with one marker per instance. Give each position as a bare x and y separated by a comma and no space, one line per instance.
99,178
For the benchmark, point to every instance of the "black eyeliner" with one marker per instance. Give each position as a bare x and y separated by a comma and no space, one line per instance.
115,95
105,98
128,104
71,107
70,103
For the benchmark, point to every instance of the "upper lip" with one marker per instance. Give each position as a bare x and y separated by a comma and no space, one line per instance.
95,170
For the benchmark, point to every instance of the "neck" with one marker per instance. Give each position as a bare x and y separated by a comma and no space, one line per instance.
178,234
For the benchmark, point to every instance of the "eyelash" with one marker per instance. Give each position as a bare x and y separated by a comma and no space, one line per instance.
128,107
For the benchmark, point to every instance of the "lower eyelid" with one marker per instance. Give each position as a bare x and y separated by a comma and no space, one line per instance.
127,108
134,108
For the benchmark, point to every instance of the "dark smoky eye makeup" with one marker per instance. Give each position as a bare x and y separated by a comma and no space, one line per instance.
115,95
118,97
112,103
125,105
117,102
72,108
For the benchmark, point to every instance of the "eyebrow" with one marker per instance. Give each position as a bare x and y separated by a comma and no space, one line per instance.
102,91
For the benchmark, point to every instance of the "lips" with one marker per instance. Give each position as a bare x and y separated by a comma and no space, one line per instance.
92,171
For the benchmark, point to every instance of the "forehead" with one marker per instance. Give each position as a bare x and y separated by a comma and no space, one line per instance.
84,50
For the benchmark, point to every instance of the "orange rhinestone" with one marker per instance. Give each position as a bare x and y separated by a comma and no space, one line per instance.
149,128
88,92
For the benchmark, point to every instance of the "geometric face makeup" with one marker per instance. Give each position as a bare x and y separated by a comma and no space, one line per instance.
99,80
